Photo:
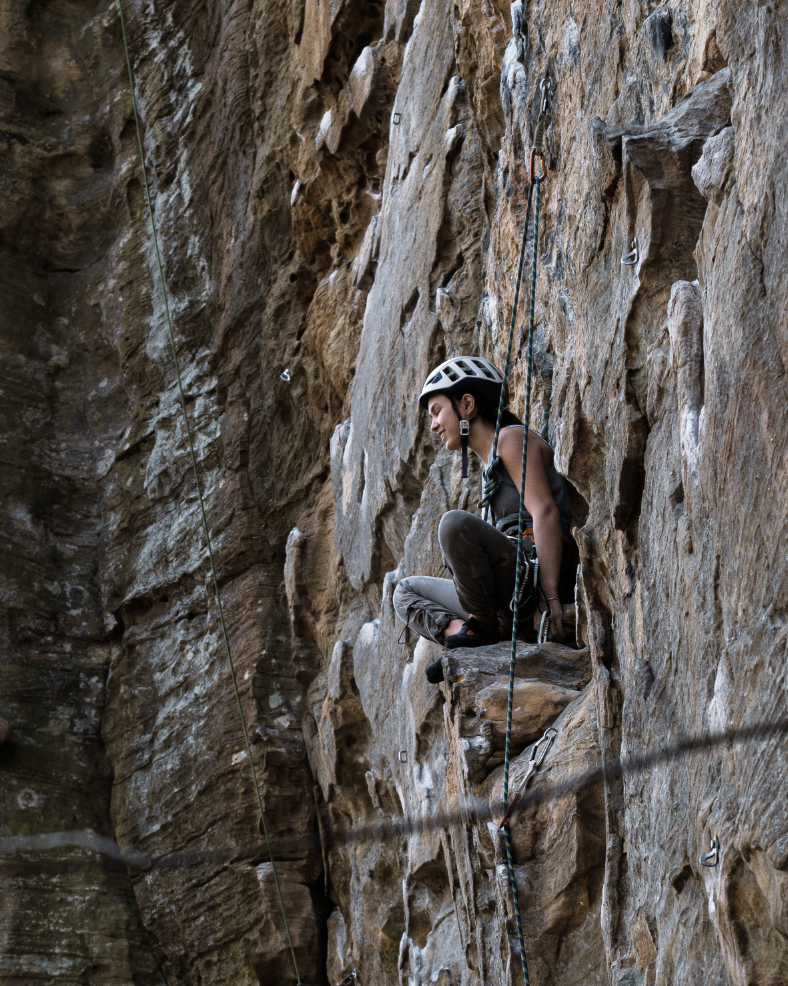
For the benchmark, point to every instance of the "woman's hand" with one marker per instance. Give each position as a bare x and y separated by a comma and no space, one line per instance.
557,631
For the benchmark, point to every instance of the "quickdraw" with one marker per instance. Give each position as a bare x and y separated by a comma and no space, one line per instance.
538,752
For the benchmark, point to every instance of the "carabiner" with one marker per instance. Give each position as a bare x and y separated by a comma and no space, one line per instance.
547,91
537,758
535,761
543,633
531,167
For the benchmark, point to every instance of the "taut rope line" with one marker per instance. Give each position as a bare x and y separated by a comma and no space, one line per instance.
200,498
491,475
536,185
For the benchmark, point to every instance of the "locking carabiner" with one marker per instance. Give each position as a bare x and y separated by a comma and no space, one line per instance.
531,167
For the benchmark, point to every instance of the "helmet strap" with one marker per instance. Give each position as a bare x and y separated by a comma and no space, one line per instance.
465,427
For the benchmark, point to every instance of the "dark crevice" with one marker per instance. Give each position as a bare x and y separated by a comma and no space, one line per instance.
679,882
578,503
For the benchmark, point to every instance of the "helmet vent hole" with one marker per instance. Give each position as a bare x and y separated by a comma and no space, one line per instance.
485,370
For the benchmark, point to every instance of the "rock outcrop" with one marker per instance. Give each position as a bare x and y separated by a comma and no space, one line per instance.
339,189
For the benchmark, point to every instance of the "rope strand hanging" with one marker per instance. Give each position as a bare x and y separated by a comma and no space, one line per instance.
536,185
491,475
200,498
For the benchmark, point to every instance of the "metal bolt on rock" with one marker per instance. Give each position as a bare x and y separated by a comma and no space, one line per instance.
632,258
712,857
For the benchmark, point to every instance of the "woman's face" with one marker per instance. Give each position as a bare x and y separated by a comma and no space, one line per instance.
444,422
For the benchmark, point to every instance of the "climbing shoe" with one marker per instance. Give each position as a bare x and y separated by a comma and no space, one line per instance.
472,634
434,672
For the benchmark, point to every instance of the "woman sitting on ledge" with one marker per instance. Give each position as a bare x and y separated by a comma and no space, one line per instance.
472,609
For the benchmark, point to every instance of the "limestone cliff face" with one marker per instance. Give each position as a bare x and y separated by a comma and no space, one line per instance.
339,189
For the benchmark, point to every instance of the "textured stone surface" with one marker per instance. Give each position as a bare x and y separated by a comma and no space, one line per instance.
340,189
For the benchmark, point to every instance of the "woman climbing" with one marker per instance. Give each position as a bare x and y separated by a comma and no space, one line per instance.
470,609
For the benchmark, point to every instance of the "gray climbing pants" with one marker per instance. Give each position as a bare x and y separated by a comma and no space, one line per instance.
482,562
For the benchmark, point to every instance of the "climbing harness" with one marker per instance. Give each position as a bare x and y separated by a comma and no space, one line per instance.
526,574
200,498
538,752
527,601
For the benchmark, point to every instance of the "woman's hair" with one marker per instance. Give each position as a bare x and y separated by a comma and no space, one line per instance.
488,411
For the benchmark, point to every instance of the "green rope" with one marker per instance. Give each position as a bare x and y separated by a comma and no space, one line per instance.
200,498
536,185
491,473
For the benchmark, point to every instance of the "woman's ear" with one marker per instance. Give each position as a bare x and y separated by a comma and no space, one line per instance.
468,406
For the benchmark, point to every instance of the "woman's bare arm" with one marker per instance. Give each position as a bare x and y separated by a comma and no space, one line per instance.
541,506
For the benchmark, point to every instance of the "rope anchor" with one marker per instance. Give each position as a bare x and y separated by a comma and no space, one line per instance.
713,856
632,258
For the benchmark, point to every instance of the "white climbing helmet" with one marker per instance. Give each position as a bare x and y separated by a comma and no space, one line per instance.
461,375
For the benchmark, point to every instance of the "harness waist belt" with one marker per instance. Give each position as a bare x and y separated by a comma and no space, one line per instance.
568,541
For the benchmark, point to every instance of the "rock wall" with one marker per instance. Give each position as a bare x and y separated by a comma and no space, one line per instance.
339,189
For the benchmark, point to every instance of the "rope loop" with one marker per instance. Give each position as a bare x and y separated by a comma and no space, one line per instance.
491,483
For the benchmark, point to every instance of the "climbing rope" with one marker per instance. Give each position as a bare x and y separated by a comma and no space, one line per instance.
491,478
195,469
491,474
536,185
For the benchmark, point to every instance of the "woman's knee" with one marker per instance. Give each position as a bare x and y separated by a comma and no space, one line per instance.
452,525
402,592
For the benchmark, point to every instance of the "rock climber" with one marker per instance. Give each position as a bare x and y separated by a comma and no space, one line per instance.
472,609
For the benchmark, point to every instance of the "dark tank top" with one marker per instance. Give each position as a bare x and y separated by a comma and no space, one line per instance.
505,504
